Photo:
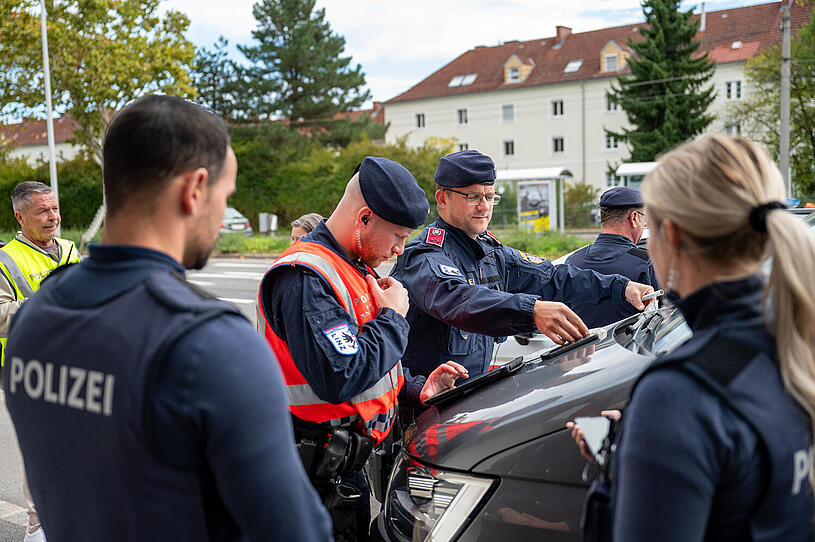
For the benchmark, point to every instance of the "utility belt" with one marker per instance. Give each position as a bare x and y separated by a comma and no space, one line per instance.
328,452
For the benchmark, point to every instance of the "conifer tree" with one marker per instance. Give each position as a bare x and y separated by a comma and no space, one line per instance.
298,71
667,95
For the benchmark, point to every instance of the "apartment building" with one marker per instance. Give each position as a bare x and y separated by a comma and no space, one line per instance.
545,103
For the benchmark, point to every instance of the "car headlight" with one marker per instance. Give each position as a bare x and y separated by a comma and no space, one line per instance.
428,504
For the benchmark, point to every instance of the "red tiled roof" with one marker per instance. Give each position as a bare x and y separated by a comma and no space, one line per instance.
756,27
377,114
34,132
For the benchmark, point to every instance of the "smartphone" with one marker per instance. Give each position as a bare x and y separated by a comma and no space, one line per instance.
595,430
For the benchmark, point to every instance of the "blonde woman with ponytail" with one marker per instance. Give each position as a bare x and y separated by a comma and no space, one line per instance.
716,441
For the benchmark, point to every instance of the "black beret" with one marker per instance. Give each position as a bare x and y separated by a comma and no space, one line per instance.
621,196
465,168
392,193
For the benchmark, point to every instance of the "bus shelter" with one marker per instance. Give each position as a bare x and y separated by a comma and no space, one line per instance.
540,195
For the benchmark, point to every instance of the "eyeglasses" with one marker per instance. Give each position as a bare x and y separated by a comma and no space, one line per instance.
644,217
474,198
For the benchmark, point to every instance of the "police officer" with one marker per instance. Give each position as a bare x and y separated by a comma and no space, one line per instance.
339,332
615,251
24,262
466,288
716,441
146,409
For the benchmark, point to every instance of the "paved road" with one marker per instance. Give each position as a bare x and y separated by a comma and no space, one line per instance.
233,279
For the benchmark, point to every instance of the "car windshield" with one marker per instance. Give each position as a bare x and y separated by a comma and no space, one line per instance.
654,332
232,213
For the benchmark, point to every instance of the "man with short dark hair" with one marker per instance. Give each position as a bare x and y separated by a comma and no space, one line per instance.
145,408
467,289
622,215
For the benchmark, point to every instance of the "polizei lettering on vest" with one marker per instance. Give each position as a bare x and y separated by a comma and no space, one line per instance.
802,463
74,387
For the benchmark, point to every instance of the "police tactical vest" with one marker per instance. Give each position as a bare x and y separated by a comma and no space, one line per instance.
80,402
25,267
372,411
749,382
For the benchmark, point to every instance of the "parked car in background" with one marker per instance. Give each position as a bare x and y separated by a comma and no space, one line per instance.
497,463
234,222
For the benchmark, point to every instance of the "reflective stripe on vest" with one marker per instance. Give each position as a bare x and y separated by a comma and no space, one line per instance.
374,410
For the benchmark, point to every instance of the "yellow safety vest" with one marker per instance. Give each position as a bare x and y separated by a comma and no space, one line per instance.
25,267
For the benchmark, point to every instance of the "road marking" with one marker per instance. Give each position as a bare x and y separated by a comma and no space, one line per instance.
12,513
201,283
242,264
235,300
228,275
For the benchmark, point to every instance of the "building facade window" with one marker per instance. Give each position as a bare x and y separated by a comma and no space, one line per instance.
732,90
558,144
610,63
508,113
419,120
611,104
612,179
557,107
462,117
612,142
513,75
733,129
463,146
509,147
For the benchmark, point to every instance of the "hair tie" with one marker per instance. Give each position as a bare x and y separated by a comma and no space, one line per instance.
758,215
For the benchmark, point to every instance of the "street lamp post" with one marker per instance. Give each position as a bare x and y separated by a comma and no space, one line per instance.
52,155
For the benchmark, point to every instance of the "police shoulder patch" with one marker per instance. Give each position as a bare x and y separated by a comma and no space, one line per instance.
450,270
435,236
531,258
342,339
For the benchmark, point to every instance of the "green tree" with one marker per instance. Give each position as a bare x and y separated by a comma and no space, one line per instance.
217,79
298,71
103,54
666,97
758,113
579,201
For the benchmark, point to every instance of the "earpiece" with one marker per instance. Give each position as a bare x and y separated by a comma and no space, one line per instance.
364,219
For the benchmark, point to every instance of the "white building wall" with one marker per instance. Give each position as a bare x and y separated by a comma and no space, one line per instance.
584,118
35,153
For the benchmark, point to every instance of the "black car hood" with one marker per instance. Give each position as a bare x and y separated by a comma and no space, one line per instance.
536,400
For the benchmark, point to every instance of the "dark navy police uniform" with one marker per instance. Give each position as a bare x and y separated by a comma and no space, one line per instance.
465,293
712,445
612,253
147,410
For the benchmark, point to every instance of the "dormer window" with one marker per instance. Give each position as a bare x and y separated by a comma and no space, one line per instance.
610,63
516,70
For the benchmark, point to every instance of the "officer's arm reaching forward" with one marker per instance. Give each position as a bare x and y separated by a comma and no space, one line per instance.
534,294
218,407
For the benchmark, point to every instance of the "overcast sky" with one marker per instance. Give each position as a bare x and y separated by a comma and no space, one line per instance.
400,43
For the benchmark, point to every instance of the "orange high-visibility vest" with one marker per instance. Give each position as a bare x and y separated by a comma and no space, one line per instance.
374,410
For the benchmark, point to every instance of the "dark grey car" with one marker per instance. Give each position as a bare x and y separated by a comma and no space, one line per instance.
497,463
